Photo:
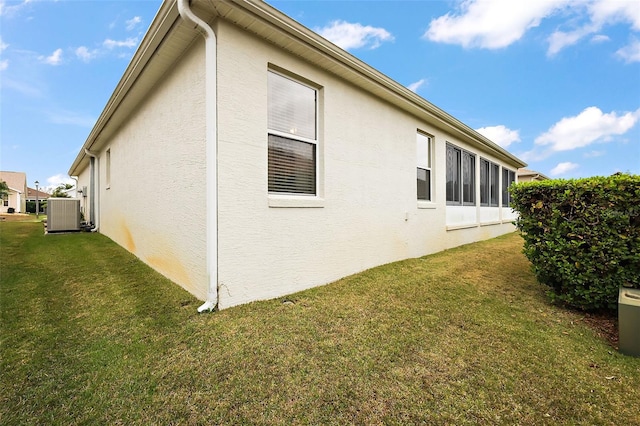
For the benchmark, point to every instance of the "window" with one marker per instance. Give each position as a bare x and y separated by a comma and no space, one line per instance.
454,159
108,167
495,182
468,179
461,177
489,175
5,201
423,155
292,136
508,177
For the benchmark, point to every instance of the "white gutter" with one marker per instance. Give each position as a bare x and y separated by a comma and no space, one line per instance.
94,202
211,153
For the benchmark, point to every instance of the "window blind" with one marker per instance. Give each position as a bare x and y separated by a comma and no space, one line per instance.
292,107
292,166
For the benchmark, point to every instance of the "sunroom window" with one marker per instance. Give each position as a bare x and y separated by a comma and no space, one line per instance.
461,176
489,181
508,177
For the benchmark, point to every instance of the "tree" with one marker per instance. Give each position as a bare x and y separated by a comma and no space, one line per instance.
4,190
59,192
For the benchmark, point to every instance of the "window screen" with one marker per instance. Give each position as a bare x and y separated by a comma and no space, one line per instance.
489,175
454,156
468,178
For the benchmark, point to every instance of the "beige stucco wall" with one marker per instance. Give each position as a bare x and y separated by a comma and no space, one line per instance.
16,200
154,205
367,214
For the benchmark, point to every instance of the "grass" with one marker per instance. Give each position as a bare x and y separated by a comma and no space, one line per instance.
22,217
92,336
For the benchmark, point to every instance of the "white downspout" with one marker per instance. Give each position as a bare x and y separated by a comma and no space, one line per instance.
95,189
75,178
211,153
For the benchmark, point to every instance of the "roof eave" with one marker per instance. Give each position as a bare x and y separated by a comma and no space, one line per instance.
394,92
367,76
162,23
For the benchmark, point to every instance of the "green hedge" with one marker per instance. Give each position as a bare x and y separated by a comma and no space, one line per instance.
31,206
582,236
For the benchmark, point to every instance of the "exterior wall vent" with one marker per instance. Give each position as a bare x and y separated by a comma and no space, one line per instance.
63,214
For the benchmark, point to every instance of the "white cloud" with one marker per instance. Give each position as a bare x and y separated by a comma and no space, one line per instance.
353,35
4,64
563,168
590,126
129,43
84,54
600,14
54,59
23,88
495,24
70,117
631,52
133,22
600,38
594,154
57,180
501,135
490,24
417,85
560,39
14,9
608,12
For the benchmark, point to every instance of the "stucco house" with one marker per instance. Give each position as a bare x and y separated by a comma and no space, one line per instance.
16,198
526,175
41,198
315,165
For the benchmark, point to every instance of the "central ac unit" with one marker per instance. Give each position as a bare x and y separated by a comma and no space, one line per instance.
63,214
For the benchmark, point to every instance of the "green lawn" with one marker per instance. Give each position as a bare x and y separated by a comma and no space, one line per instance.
92,336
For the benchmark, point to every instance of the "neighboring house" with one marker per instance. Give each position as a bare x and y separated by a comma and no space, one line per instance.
42,196
314,165
31,195
16,199
526,175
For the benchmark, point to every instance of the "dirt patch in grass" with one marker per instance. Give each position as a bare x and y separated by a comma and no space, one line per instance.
604,324
14,217
20,217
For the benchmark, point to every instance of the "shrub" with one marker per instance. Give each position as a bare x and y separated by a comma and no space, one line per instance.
31,206
582,236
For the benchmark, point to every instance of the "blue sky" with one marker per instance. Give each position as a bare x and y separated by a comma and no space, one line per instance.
555,82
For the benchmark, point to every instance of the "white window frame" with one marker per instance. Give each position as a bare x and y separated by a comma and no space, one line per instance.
291,135
461,154
511,178
424,164
492,191
108,168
